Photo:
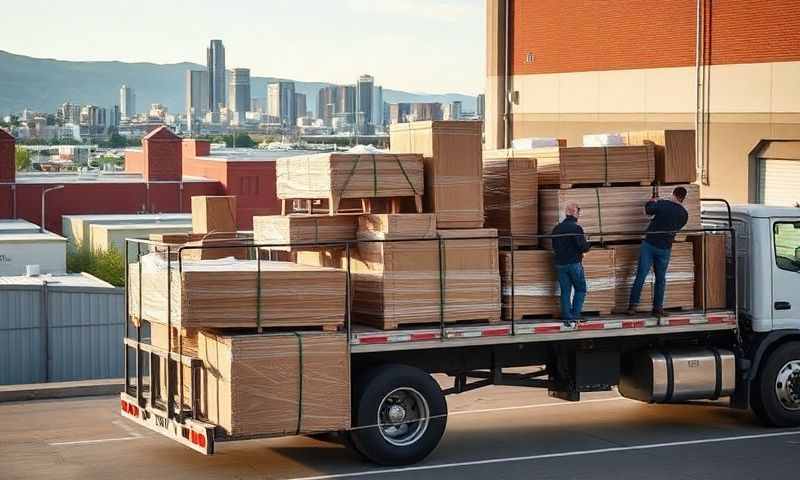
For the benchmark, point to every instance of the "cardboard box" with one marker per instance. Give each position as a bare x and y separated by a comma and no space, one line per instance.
303,228
214,214
452,151
510,196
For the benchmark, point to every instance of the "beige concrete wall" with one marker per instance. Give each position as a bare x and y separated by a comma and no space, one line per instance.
748,103
494,127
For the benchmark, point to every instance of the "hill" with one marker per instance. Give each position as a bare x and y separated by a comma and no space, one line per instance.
43,84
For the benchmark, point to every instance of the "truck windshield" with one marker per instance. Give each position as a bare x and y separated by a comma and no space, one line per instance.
787,245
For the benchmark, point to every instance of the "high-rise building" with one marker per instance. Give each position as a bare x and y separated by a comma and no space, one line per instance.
281,102
300,104
127,102
114,117
346,101
215,63
377,107
398,112
239,100
364,99
452,111
197,97
481,106
69,113
326,104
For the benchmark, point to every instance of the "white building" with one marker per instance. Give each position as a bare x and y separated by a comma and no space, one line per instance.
22,244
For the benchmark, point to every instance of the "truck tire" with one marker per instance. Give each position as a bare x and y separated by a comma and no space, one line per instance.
776,396
399,415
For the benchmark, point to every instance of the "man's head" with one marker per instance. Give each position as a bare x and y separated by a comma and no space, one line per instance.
573,209
679,194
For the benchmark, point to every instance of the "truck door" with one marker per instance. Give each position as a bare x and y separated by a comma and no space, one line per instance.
786,273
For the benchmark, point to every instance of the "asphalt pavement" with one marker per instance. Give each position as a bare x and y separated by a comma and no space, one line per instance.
496,433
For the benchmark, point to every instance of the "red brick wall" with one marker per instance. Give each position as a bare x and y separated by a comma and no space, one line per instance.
162,159
134,161
8,166
569,36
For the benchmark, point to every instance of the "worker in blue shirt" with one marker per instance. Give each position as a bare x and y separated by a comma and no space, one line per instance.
669,216
569,246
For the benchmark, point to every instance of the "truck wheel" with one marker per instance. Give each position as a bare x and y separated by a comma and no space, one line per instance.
400,415
777,397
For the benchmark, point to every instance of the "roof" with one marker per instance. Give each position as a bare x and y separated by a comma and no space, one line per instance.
756,210
31,237
250,155
92,177
17,226
5,136
161,133
144,226
62,280
154,217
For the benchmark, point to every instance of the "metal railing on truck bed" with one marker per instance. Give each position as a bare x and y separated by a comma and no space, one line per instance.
142,401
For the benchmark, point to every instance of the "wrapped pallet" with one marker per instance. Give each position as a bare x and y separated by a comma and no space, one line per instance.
510,196
400,283
215,245
303,228
452,151
680,278
674,153
224,294
213,214
396,226
336,176
611,209
710,269
276,384
536,290
180,341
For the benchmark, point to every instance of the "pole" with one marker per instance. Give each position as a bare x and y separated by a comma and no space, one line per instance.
42,229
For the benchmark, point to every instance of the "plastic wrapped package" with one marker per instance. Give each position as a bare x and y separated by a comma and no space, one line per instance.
302,228
510,196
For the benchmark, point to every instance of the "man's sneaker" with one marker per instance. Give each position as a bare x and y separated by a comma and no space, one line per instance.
570,324
632,311
659,312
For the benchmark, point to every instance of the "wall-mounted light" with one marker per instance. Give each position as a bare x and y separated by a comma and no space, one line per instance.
529,58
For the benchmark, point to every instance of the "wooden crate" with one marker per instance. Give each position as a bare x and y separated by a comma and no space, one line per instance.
710,276
336,176
213,214
303,228
610,209
675,157
276,384
680,278
510,196
452,151
398,283
226,245
224,293
536,290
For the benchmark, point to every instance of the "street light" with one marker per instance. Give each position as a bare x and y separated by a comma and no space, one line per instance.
44,192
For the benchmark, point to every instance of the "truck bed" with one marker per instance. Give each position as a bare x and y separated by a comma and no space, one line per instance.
367,339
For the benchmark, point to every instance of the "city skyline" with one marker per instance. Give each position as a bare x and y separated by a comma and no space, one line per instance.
404,61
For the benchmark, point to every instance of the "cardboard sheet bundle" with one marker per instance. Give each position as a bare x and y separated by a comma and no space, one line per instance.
303,228
334,176
710,266
399,283
611,209
452,151
223,294
535,287
276,384
510,196
680,278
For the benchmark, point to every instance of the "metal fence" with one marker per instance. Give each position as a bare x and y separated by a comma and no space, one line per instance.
57,333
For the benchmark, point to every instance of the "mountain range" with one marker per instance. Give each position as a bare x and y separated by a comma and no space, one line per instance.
41,84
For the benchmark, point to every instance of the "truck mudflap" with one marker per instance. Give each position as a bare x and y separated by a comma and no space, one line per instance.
199,436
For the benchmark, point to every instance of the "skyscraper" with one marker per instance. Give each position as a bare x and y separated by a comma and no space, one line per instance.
377,107
281,102
326,104
239,90
300,104
364,98
346,101
127,102
215,55
481,106
196,97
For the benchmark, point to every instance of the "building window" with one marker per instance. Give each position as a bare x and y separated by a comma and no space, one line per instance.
786,237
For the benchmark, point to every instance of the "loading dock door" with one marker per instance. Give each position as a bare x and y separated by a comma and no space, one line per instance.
779,174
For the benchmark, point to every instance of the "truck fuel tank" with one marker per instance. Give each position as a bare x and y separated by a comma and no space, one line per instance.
670,376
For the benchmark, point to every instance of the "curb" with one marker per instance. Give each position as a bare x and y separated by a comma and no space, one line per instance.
44,391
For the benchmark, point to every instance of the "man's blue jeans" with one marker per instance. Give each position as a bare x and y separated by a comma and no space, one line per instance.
571,277
656,259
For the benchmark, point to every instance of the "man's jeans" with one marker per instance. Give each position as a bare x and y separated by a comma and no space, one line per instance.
571,277
657,259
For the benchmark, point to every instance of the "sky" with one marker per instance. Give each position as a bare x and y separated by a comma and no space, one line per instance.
432,46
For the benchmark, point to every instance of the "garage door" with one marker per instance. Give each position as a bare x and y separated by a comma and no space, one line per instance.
779,174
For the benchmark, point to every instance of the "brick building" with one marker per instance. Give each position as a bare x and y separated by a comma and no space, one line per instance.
729,68
161,177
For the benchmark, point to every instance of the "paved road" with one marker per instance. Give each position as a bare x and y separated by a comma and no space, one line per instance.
495,433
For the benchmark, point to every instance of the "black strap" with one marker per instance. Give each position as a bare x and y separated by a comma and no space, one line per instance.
599,213
403,170
299,382
718,368
670,377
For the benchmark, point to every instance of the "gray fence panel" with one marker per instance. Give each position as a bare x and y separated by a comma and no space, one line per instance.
21,340
86,331
82,340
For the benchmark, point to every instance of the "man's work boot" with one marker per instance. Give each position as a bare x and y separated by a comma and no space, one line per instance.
659,312
632,310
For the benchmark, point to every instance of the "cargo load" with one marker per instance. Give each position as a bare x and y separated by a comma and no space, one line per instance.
510,196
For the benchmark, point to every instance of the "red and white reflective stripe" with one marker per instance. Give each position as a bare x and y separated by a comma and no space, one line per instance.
721,318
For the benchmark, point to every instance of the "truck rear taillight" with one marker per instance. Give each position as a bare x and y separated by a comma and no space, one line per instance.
196,438
129,408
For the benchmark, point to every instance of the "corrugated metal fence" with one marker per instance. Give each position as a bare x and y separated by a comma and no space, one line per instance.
55,333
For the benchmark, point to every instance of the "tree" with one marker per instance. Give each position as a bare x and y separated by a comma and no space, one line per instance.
118,141
23,159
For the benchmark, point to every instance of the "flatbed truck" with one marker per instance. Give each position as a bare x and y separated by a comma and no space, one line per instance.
748,352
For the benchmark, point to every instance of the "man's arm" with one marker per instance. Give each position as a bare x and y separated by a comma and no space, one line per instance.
651,207
583,245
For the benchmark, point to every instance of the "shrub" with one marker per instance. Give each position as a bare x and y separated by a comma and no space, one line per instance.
107,265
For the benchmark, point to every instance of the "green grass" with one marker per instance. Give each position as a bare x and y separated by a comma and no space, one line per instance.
107,265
